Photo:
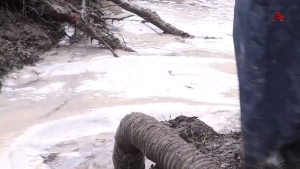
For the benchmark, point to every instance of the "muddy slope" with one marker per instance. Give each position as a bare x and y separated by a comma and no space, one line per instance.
222,148
22,39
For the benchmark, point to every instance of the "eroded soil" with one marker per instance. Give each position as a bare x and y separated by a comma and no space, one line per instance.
22,40
222,148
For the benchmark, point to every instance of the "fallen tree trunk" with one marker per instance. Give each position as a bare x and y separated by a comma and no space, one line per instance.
140,135
152,17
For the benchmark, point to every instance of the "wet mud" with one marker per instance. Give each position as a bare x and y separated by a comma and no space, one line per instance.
22,40
221,148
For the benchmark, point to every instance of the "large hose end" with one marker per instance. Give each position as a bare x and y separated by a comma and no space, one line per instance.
139,135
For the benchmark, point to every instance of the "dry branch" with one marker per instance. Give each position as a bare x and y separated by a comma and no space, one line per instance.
151,17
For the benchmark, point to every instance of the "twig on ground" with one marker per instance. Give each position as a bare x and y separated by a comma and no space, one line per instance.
116,19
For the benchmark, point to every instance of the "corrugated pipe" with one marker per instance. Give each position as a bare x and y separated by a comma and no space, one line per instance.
140,135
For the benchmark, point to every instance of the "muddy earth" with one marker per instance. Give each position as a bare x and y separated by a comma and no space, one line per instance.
222,148
22,40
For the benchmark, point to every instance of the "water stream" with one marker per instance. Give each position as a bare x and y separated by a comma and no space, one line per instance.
63,113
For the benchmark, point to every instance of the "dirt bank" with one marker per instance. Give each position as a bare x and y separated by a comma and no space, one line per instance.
22,39
221,148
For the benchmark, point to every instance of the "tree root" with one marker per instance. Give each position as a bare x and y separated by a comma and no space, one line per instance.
88,16
139,135
67,13
152,17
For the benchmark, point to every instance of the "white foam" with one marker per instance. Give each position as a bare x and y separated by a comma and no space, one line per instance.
141,75
136,77
24,152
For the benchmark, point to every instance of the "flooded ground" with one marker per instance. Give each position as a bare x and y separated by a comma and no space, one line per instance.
63,113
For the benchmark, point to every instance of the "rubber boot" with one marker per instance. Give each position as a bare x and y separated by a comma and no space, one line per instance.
291,155
274,161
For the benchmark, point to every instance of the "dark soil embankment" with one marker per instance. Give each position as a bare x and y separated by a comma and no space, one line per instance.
22,39
221,148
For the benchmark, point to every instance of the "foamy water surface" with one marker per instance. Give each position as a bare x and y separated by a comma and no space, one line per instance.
71,103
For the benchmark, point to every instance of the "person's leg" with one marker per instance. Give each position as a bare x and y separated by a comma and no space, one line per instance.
251,64
268,63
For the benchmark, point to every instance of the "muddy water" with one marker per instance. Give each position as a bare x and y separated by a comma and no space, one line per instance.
63,113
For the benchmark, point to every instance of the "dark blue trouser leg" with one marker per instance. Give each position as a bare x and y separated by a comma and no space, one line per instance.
268,63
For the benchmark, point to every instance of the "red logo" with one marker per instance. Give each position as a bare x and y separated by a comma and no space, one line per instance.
279,16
